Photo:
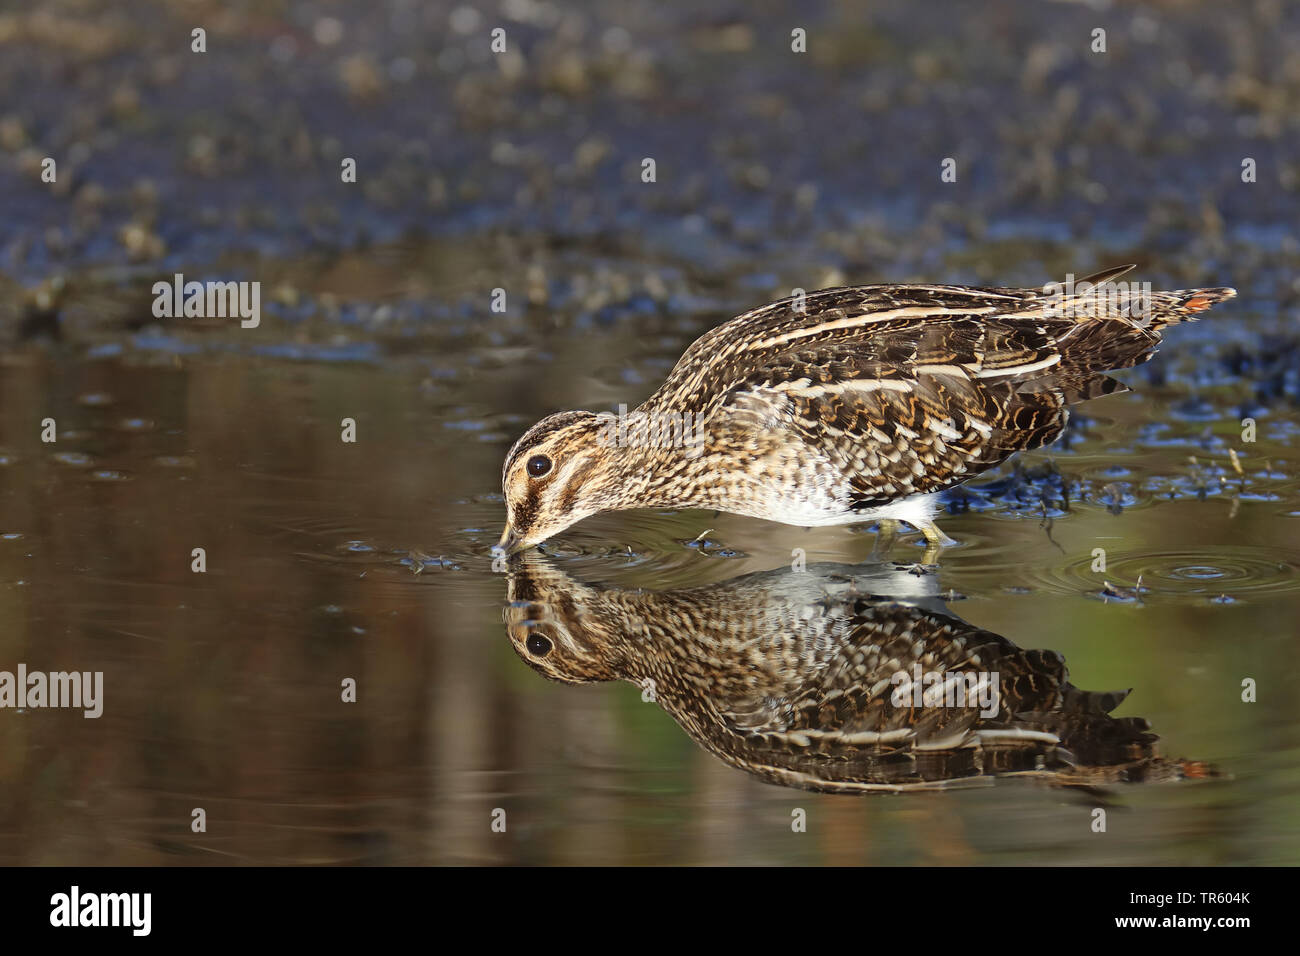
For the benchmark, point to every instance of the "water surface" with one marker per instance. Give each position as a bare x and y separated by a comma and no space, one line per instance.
328,560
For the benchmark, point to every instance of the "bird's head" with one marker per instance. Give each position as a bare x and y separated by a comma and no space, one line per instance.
561,471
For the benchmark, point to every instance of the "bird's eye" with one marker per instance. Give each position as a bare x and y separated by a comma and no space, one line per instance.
538,646
538,465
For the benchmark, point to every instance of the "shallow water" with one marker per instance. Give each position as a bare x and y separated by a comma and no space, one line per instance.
328,560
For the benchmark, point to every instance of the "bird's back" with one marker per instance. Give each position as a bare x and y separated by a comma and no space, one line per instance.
901,332
852,399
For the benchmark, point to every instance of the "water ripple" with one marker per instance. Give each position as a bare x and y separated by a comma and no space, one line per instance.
1135,575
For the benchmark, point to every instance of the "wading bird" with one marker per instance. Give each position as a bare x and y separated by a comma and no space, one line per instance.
847,405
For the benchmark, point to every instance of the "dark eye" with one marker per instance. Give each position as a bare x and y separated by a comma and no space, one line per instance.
538,465
538,646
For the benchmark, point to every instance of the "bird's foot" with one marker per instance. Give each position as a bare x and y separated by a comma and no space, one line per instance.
935,541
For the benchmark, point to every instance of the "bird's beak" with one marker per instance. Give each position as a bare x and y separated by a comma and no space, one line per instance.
510,541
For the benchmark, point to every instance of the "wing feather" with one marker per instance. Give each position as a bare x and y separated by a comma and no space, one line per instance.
991,332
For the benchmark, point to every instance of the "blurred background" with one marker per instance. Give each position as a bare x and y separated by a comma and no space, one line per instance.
522,171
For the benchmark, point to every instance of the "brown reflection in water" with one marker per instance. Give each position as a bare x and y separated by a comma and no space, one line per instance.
812,679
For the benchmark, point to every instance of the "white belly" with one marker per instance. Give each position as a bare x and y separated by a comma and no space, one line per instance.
915,510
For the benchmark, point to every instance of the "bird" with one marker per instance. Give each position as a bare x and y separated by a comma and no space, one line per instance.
845,405
814,679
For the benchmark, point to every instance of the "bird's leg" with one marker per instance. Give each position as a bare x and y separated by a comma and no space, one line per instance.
935,540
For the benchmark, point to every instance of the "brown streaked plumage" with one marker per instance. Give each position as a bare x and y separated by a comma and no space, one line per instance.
861,406
790,676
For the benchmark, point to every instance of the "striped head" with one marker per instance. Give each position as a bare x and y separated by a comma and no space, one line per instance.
558,473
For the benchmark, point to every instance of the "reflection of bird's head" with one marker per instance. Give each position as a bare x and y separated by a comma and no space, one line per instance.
556,627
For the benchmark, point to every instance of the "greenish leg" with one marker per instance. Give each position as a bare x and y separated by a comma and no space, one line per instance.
935,541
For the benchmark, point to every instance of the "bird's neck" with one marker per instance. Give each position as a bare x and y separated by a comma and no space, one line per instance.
656,460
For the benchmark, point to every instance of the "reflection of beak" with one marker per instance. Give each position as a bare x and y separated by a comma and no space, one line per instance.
510,541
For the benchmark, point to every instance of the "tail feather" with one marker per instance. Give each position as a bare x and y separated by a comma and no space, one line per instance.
1100,296
1185,305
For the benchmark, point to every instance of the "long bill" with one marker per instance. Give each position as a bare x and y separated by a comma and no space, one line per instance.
510,542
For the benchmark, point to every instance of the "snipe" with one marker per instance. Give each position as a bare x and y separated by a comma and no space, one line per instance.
856,404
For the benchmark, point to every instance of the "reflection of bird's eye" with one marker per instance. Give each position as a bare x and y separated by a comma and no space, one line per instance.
538,465
538,646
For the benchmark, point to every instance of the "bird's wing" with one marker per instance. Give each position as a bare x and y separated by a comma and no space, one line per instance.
911,388
993,331
917,408
876,321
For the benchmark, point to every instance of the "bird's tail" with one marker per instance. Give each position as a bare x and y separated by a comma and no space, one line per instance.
1103,296
1182,305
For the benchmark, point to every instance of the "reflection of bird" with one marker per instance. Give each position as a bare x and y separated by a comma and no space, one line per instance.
792,677
847,405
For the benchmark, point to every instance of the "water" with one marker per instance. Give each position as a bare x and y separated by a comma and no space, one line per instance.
328,560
